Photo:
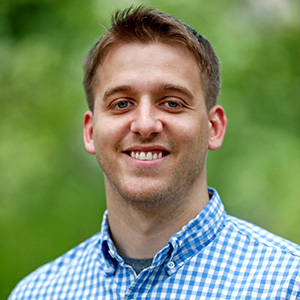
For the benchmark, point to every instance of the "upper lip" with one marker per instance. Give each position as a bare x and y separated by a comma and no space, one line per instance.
146,148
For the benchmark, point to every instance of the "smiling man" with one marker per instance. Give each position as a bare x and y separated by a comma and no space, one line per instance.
152,84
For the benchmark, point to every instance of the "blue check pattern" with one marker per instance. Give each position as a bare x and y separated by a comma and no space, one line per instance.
215,256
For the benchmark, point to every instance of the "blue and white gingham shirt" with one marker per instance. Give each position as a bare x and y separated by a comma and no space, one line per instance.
215,256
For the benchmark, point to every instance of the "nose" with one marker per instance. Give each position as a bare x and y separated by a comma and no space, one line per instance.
146,121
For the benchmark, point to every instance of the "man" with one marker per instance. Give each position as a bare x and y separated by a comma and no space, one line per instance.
152,85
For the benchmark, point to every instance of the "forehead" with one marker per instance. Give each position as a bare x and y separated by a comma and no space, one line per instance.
164,45
146,63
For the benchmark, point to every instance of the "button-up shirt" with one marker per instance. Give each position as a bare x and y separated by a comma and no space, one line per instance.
214,256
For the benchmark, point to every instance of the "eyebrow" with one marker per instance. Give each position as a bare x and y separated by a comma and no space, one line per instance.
162,86
117,89
176,88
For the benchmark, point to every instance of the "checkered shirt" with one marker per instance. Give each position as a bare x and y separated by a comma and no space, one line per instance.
214,256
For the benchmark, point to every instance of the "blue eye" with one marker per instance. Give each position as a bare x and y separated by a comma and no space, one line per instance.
122,104
172,104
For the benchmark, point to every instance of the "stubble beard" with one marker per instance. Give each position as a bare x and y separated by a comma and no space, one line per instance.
171,193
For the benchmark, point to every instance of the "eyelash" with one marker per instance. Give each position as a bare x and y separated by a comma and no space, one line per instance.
178,104
122,102
115,105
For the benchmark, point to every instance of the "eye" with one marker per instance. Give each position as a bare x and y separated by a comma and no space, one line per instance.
122,104
172,104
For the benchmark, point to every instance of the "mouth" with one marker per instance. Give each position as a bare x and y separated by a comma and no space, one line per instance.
147,155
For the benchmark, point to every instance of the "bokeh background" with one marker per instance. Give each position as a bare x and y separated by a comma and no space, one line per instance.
51,191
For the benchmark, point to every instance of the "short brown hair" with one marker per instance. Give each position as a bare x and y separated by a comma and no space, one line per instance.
147,25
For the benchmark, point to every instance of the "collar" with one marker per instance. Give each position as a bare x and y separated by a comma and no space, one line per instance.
182,246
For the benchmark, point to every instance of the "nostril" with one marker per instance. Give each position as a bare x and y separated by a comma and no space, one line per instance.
145,126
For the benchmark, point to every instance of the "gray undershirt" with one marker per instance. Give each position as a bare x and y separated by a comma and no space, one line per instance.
138,264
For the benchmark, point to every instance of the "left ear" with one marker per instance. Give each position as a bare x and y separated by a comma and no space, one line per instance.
88,132
217,127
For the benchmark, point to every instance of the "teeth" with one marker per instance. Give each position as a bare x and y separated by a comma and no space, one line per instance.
145,156
142,156
135,155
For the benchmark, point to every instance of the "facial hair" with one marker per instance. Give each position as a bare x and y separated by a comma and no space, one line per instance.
176,188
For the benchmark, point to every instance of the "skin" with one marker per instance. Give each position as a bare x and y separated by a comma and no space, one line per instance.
149,98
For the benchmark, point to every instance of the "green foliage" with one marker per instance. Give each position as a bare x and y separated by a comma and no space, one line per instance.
51,191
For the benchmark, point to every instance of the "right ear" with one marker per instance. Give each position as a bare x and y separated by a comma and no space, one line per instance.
88,132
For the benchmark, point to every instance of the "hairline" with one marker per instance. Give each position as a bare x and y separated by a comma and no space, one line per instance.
178,32
109,47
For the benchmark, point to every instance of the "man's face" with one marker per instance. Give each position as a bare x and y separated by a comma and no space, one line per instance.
149,129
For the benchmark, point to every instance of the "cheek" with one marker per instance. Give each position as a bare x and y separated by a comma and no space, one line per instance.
192,131
108,131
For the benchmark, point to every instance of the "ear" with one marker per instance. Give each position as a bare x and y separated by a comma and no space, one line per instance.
217,128
88,131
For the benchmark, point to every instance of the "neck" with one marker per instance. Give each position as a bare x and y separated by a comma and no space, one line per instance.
142,233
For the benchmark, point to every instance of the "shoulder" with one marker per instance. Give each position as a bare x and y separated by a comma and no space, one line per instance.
261,238
51,272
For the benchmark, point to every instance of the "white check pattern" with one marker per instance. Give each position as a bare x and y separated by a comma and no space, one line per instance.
215,256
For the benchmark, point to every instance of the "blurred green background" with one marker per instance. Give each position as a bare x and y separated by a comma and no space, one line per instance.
51,191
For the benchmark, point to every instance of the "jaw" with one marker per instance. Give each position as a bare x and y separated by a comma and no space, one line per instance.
134,178
147,194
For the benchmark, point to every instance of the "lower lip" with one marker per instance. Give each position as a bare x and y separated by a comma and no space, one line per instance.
146,163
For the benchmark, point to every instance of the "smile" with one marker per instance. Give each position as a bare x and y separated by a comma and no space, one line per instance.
147,155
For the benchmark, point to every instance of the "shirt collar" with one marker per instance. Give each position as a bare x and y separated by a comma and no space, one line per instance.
183,245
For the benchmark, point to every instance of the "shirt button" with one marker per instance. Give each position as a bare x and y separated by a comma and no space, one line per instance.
110,270
170,264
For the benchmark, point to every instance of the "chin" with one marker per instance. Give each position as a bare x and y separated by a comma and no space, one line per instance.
148,201
151,197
